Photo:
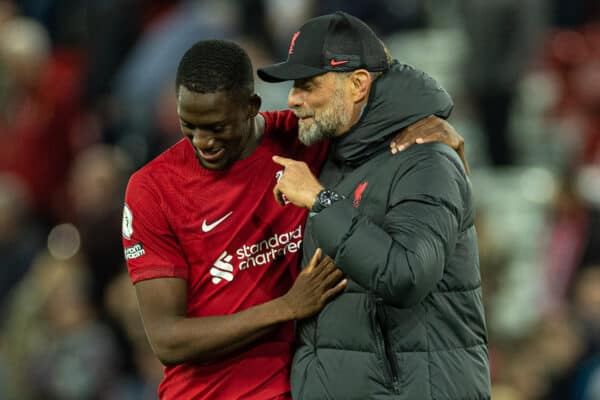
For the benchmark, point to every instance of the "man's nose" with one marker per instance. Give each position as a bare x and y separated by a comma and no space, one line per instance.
295,98
202,140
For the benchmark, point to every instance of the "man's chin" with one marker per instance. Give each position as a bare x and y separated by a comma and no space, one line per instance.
309,137
218,165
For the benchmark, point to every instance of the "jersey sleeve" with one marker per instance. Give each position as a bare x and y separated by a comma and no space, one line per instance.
150,246
282,128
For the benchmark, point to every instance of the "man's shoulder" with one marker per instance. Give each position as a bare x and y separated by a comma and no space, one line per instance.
433,170
280,121
429,155
166,163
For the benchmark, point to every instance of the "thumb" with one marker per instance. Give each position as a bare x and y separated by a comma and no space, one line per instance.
282,160
314,261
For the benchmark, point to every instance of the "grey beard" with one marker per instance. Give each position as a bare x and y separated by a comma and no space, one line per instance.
327,124
312,134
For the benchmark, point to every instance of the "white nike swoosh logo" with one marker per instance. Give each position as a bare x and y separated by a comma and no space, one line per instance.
209,227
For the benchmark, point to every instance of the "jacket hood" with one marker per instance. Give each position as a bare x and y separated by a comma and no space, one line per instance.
400,97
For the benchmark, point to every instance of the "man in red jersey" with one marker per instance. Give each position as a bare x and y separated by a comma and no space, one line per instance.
213,258
211,254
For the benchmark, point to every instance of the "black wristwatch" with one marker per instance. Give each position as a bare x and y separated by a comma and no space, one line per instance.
325,198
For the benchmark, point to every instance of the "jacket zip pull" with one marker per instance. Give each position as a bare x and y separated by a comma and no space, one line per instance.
390,357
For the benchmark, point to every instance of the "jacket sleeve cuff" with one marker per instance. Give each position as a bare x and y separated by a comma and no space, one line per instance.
331,225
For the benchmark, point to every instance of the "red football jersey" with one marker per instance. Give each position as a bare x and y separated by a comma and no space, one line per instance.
225,234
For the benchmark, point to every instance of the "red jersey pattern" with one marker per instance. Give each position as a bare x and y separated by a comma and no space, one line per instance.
225,234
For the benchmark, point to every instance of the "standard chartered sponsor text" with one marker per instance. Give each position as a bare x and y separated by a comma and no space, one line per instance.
267,250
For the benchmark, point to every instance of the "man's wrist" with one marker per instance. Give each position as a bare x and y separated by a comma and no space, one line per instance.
285,312
325,198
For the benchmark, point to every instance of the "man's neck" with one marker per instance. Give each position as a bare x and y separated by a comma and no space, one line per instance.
257,131
357,112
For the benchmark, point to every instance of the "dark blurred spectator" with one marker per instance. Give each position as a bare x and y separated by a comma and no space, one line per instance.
55,345
570,367
574,13
573,234
522,375
385,16
573,57
493,259
96,188
122,305
112,26
585,295
151,66
282,18
20,235
3,372
503,36
7,10
563,350
254,24
551,362
107,32
40,105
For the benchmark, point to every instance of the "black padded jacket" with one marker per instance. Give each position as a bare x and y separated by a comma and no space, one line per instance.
410,324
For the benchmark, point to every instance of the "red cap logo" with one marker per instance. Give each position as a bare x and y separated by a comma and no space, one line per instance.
335,63
293,42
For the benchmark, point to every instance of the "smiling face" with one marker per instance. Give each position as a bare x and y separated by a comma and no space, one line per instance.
219,125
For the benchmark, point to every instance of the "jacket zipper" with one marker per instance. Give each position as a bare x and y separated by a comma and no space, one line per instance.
389,359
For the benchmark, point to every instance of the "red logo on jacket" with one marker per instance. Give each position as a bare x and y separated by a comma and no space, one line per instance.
358,193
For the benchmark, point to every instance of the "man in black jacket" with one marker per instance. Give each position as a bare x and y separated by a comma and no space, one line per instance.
410,324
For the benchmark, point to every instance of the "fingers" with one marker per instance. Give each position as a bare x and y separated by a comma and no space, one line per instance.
428,138
397,147
402,141
463,158
325,267
332,278
290,162
415,133
334,290
313,261
282,161
427,130
278,195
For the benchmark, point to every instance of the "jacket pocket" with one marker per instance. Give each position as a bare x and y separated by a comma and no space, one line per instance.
384,349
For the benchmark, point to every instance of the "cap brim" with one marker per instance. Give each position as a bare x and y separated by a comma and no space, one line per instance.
285,71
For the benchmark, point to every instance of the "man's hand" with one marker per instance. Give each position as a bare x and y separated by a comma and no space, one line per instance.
318,283
431,129
297,183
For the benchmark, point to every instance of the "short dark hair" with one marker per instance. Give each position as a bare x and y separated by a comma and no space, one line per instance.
215,65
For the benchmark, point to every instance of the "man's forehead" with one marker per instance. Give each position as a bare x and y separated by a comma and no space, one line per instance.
196,107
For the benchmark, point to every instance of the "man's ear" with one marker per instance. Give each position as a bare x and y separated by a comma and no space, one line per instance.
360,80
254,105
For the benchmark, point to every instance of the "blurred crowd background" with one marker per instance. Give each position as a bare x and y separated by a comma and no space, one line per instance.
87,97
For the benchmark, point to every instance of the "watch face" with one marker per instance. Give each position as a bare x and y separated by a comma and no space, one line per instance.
328,197
325,198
